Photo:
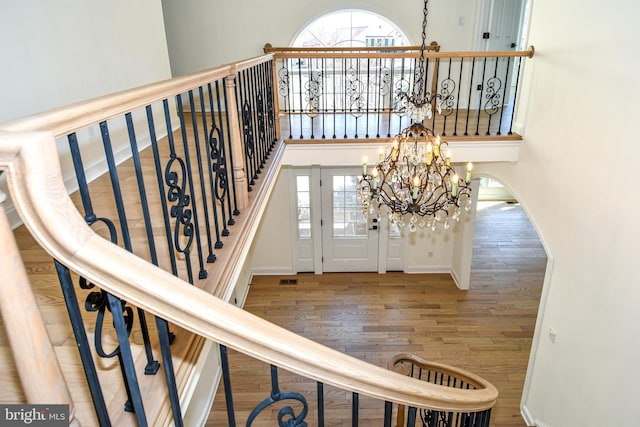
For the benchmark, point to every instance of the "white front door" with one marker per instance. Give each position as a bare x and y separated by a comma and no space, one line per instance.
349,237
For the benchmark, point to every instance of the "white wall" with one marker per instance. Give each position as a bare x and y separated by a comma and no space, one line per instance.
56,53
576,179
222,32
271,249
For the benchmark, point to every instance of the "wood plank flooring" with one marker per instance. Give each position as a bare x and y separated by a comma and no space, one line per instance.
487,330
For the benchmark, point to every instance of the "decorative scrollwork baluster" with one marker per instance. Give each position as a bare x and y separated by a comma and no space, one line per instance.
445,98
355,89
249,143
313,89
262,131
493,98
183,230
384,82
286,415
219,168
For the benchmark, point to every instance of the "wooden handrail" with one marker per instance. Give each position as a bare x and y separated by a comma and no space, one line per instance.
452,371
382,53
38,367
268,48
64,120
33,174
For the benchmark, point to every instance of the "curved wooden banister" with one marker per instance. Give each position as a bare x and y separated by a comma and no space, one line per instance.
64,120
452,371
35,181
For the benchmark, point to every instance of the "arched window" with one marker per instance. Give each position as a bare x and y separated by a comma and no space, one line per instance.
350,28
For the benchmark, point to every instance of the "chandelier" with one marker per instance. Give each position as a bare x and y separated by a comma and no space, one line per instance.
413,180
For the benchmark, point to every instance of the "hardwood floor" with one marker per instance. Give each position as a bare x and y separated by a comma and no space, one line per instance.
487,330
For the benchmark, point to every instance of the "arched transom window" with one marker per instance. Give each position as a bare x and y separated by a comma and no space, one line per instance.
350,28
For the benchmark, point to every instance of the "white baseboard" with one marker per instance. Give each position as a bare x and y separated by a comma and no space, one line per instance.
272,271
528,417
455,278
428,269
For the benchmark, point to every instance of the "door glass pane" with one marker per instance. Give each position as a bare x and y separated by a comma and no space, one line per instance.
348,219
304,211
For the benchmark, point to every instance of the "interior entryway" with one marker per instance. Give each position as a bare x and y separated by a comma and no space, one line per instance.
332,234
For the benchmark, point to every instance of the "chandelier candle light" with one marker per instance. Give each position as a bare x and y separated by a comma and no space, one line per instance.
414,176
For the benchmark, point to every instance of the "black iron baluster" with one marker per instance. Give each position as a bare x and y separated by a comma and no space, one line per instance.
126,357
482,90
505,101
355,403
210,171
176,180
366,133
391,94
285,88
473,66
161,190
152,365
236,211
300,94
411,416
323,109
226,379
455,123
80,334
515,96
320,393
402,90
344,95
189,174
334,90
165,336
388,412
201,174
220,185
436,72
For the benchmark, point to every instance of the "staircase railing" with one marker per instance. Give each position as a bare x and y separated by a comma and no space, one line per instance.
176,252
357,93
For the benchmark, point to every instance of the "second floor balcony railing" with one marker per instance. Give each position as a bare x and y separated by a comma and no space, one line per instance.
356,93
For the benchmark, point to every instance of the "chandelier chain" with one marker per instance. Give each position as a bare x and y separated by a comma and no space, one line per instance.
418,93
